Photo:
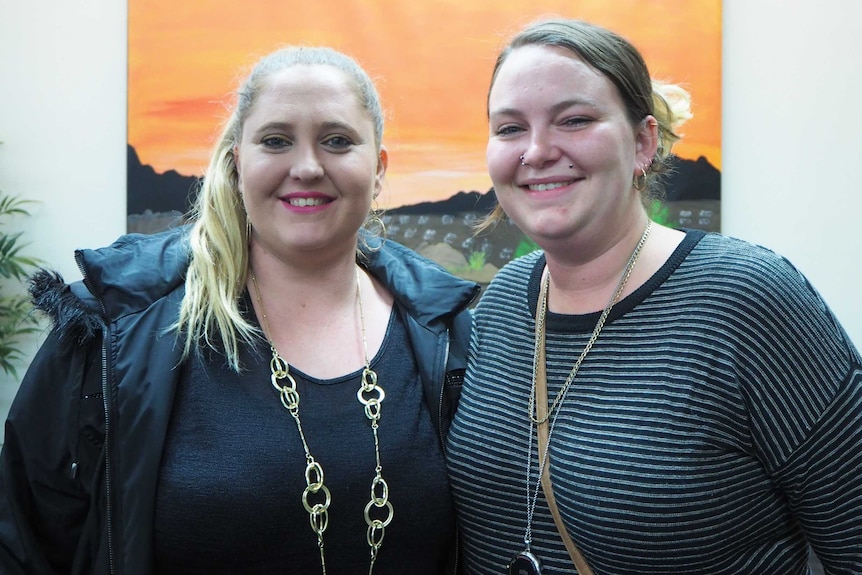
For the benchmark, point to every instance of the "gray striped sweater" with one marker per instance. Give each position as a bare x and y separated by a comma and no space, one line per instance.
715,428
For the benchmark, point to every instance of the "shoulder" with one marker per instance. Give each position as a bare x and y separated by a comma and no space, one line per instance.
514,280
134,258
118,279
761,297
519,269
754,274
754,279
729,253
424,288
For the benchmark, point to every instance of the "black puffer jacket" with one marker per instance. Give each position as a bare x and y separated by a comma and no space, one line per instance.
84,436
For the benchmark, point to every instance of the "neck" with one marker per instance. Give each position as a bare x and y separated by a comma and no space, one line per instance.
584,286
303,324
289,287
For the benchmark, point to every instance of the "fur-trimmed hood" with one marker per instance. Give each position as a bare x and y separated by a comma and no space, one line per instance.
122,278
74,320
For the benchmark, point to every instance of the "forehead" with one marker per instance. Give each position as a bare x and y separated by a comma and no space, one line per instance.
307,90
537,73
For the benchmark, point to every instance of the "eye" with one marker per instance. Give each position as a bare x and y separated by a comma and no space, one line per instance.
338,142
507,130
576,122
275,142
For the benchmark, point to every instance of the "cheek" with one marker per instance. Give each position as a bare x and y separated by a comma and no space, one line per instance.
358,174
503,162
261,173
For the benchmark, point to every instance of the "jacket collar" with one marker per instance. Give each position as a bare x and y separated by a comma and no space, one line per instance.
423,288
138,269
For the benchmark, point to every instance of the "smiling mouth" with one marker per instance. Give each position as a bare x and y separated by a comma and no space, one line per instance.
546,187
307,202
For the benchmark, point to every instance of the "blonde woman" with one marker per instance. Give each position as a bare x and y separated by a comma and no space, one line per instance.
265,390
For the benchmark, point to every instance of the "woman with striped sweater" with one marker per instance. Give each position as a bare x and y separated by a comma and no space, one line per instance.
694,403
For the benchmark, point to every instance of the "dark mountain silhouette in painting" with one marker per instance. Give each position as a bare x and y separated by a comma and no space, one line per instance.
171,191
459,203
687,180
692,180
149,190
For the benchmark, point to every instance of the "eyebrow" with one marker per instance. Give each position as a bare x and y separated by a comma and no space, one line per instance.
555,109
326,126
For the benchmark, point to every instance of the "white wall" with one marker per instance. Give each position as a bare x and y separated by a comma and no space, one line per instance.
63,124
792,132
791,129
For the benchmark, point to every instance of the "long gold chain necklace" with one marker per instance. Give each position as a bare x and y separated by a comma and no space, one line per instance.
525,561
370,395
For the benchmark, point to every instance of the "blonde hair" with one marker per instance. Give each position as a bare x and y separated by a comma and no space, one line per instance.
671,109
619,61
210,315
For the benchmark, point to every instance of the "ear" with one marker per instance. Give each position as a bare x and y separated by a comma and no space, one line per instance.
646,144
235,153
236,163
382,164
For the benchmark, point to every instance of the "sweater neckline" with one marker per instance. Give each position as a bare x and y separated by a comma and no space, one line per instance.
577,323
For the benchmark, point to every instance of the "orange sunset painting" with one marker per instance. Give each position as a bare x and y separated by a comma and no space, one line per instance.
431,61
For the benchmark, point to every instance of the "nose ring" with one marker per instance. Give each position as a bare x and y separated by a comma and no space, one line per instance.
523,162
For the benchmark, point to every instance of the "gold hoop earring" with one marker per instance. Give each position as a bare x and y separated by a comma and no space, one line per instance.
375,226
640,182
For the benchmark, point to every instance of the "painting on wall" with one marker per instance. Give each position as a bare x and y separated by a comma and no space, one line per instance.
432,63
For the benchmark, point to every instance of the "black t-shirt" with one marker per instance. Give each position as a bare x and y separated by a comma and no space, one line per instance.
230,487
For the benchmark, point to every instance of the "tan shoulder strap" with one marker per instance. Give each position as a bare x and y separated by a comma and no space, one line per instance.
542,432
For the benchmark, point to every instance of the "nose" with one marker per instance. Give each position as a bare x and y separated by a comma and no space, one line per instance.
541,150
305,164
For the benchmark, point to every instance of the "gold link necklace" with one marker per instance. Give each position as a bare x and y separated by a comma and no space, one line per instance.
370,395
525,561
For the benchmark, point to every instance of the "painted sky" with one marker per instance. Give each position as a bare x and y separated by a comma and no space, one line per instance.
431,61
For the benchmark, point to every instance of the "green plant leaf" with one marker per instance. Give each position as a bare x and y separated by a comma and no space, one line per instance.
525,246
476,260
13,205
17,316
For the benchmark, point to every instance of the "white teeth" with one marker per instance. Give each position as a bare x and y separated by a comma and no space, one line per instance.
546,187
305,202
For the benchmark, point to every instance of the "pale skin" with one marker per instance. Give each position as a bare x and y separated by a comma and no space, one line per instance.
309,168
549,106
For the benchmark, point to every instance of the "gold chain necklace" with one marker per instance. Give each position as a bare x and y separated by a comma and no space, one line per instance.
526,561
596,331
370,395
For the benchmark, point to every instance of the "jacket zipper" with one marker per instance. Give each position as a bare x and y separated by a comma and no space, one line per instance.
106,401
106,405
442,393
443,442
